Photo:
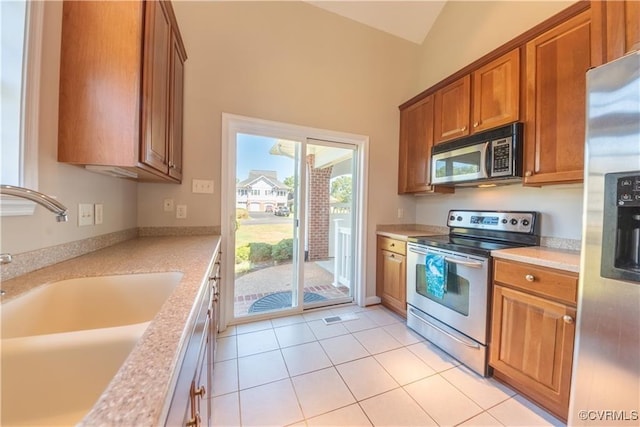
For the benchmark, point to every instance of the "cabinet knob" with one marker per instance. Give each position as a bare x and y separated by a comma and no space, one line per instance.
529,277
567,319
528,173
463,128
393,244
476,124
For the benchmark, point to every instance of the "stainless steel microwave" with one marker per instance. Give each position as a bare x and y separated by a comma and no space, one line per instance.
491,157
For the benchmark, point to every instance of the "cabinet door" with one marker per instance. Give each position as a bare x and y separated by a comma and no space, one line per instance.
156,86
452,105
416,140
176,108
557,62
100,83
532,345
496,92
392,283
620,26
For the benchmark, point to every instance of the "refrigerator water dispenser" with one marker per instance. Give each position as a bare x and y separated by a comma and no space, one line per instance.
621,228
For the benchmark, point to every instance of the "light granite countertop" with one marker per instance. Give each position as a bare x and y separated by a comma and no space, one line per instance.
404,231
561,259
138,392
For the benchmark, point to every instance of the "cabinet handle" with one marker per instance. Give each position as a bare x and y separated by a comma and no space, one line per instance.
530,277
195,421
528,173
476,124
567,319
200,391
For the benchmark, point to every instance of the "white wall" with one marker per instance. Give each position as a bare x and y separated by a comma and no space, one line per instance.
464,32
71,184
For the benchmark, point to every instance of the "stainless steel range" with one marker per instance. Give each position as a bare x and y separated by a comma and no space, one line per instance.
449,279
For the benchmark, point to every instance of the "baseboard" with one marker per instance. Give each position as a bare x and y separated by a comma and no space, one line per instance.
372,301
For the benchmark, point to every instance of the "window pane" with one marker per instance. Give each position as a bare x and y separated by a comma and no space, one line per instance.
13,20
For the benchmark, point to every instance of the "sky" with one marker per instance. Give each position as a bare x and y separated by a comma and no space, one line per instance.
253,153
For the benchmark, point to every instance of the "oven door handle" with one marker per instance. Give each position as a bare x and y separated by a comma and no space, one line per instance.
472,264
418,251
453,337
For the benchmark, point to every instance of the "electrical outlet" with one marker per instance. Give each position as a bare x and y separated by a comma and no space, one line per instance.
400,212
98,213
85,214
181,211
202,186
168,205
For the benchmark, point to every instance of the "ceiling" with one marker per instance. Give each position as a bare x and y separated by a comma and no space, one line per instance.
410,20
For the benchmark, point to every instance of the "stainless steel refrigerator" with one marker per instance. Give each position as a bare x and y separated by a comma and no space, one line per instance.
605,388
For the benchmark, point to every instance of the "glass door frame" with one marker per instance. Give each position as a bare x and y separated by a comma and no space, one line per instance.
232,125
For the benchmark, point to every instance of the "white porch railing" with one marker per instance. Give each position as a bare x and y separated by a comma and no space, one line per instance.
342,256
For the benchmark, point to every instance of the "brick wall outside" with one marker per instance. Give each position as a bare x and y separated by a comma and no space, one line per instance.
318,215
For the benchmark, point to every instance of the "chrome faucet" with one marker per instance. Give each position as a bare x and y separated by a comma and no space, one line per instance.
42,199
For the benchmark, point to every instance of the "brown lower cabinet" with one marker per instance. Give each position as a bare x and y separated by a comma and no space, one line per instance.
191,397
533,331
391,274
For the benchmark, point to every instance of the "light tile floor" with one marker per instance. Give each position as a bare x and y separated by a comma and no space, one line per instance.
297,371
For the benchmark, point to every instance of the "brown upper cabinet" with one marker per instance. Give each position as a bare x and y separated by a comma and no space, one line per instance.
496,93
121,88
452,104
557,62
488,98
617,25
416,140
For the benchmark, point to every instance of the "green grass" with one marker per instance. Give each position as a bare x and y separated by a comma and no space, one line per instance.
265,233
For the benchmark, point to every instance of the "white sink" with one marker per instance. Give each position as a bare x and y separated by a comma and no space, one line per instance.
63,342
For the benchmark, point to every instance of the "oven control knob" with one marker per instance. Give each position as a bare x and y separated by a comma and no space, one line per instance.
514,221
459,218
452,218
525,222
505,220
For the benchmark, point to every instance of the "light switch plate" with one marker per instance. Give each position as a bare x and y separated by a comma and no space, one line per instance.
202,186
98,212
85,214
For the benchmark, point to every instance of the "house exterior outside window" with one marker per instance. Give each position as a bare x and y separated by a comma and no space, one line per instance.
261,192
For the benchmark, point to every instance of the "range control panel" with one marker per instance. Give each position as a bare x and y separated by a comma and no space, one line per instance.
511,221
629,190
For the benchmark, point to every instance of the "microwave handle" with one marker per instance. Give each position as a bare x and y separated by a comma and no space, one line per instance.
488,170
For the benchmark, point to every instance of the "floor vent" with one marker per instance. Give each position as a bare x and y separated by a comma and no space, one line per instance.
341,318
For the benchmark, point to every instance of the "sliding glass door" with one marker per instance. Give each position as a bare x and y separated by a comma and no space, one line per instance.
291,204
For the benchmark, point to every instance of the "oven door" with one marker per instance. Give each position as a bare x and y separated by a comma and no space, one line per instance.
462,300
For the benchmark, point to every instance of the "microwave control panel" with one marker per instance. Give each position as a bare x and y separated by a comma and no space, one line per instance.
501,157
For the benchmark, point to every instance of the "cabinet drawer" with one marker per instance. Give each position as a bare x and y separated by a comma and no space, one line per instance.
548,282
392,245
